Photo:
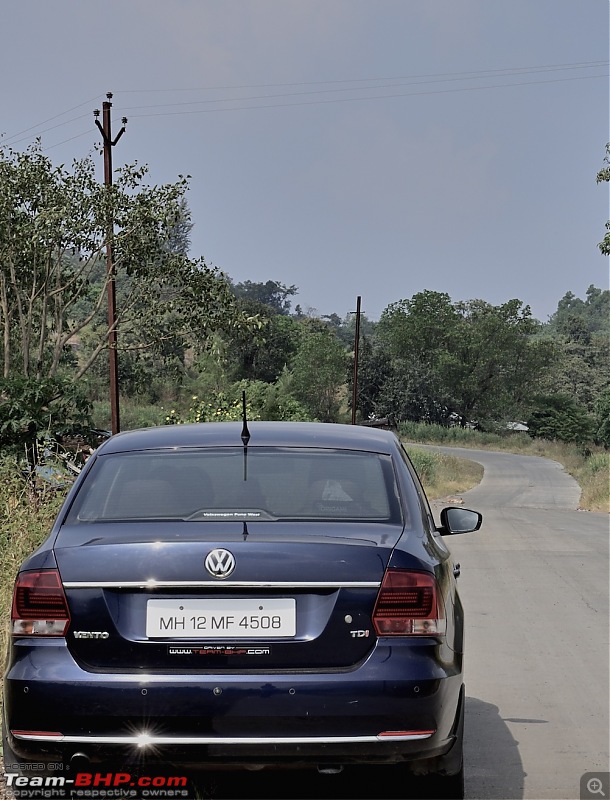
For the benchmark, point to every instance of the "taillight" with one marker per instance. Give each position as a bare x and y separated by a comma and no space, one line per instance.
409,604
39,605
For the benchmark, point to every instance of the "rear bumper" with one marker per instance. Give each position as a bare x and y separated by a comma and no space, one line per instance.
399,705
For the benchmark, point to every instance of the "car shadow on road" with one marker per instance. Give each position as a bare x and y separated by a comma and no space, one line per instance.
493,766
354,783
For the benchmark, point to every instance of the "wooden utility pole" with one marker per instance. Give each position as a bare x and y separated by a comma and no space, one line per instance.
356,347
109,142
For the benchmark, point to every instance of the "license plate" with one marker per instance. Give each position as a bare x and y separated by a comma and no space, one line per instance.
221,619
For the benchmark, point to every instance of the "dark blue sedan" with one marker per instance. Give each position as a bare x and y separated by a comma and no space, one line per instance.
224,596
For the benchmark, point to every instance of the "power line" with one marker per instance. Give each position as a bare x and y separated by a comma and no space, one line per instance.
7,139
352,99
473,73
78,136
46,130
328,91
413,80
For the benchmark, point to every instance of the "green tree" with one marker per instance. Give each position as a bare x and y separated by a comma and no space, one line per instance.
345,329
262,356
559,417
54,225
416,335
319,369
577,318
271,293
53,231
374,373
496,362
602,410
603,176
32,410
470,360
580,330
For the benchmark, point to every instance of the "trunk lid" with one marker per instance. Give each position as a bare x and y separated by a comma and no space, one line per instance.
299,596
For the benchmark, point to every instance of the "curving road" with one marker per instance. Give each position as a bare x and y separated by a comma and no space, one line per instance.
534,584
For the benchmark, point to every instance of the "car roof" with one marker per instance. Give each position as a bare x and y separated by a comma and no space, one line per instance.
226,434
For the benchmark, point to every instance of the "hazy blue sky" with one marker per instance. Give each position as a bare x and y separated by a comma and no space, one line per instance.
349,147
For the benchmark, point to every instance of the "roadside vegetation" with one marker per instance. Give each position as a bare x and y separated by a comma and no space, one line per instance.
27,511
444,476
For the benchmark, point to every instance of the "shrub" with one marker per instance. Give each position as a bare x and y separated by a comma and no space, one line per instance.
424,463
34,410
27,511
559,417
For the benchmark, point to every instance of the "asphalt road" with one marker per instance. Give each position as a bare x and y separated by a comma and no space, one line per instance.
534,584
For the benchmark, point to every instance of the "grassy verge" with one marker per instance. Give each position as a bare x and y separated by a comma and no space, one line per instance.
26,517
589,466
444,475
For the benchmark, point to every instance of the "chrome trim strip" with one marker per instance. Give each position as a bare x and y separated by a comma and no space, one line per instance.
145,740
154,584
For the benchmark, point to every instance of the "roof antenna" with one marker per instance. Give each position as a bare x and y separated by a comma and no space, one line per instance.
245,433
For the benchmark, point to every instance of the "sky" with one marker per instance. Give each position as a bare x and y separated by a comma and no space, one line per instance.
372,148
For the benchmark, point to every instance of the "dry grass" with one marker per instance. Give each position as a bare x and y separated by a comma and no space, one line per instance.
26,517
443,475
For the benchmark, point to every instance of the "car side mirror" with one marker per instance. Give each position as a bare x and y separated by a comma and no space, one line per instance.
459,520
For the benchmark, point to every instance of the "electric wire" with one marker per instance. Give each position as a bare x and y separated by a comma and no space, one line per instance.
351,99
460,75
7,139
412,80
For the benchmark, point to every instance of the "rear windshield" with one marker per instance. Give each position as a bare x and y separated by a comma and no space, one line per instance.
233,484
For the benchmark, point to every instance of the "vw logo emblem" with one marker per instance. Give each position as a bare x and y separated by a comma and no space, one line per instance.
220,563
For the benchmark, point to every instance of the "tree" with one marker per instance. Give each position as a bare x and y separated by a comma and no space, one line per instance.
604,176
496,362
31,410
580,330
603,418
272,293
469,360
560,417
53,230
264,355
374,373
54,226
318,371
582,317
345,329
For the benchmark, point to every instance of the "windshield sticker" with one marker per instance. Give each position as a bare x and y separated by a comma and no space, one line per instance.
232,514
334,491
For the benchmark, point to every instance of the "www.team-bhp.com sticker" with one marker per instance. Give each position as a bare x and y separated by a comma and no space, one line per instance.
219,650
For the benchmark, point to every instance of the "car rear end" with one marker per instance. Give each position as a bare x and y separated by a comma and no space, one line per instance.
243,627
